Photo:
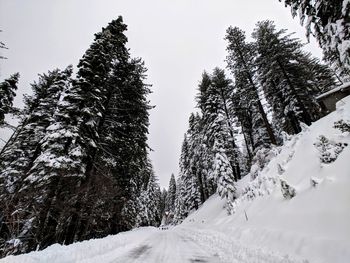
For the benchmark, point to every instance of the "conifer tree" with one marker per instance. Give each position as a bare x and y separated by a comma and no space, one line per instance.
187,189
242,108
170,201
162,203
89,169
191,170
223,89
81,123
329,22
209,159
180,210
289,77
241,62
224,156
18,156
148,201
223,172
7,94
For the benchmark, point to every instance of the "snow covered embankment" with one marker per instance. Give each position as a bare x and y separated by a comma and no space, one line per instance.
315,223
108,249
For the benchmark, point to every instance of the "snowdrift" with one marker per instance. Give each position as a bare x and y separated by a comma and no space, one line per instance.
315,223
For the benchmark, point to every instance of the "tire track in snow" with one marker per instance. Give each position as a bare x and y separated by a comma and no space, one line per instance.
232,251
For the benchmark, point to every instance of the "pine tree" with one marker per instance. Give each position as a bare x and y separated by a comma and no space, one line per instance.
218,131
209,159
89,169
241,62
242,108
18,156
289,77
187,189
162,203
122,151
191,170
180,209
203,146
80,124
7,94
223,171
148,201
224,90
170,201
329,22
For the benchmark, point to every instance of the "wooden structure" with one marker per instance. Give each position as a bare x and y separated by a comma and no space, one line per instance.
329,99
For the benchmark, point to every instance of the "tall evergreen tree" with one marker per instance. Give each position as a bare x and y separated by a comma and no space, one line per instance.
289,77
90,168
187,188
191,170
18,156
162,203
148,202
223,89
242,108
170,201
218,132
329,22
209,159
241,62
180,209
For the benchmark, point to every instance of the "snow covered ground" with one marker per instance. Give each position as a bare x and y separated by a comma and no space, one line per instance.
151,245
313,226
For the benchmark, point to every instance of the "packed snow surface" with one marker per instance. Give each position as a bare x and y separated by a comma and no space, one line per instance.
312,226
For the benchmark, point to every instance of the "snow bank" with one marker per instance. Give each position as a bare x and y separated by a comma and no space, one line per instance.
315,223
106,249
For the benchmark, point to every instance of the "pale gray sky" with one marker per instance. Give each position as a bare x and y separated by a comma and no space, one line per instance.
178,39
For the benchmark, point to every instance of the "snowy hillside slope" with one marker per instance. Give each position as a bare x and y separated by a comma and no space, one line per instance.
313,226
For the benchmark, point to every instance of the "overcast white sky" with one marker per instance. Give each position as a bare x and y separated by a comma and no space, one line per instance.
178,39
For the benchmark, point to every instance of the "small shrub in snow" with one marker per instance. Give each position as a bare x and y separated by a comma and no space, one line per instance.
314,181
280,169
261,186
261,158
288,191
343,126
328,150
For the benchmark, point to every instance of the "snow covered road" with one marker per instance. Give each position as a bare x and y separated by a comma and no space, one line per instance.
151,245
168,246
179,245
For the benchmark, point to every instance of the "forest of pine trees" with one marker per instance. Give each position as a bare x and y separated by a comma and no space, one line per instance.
270,91
77,165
